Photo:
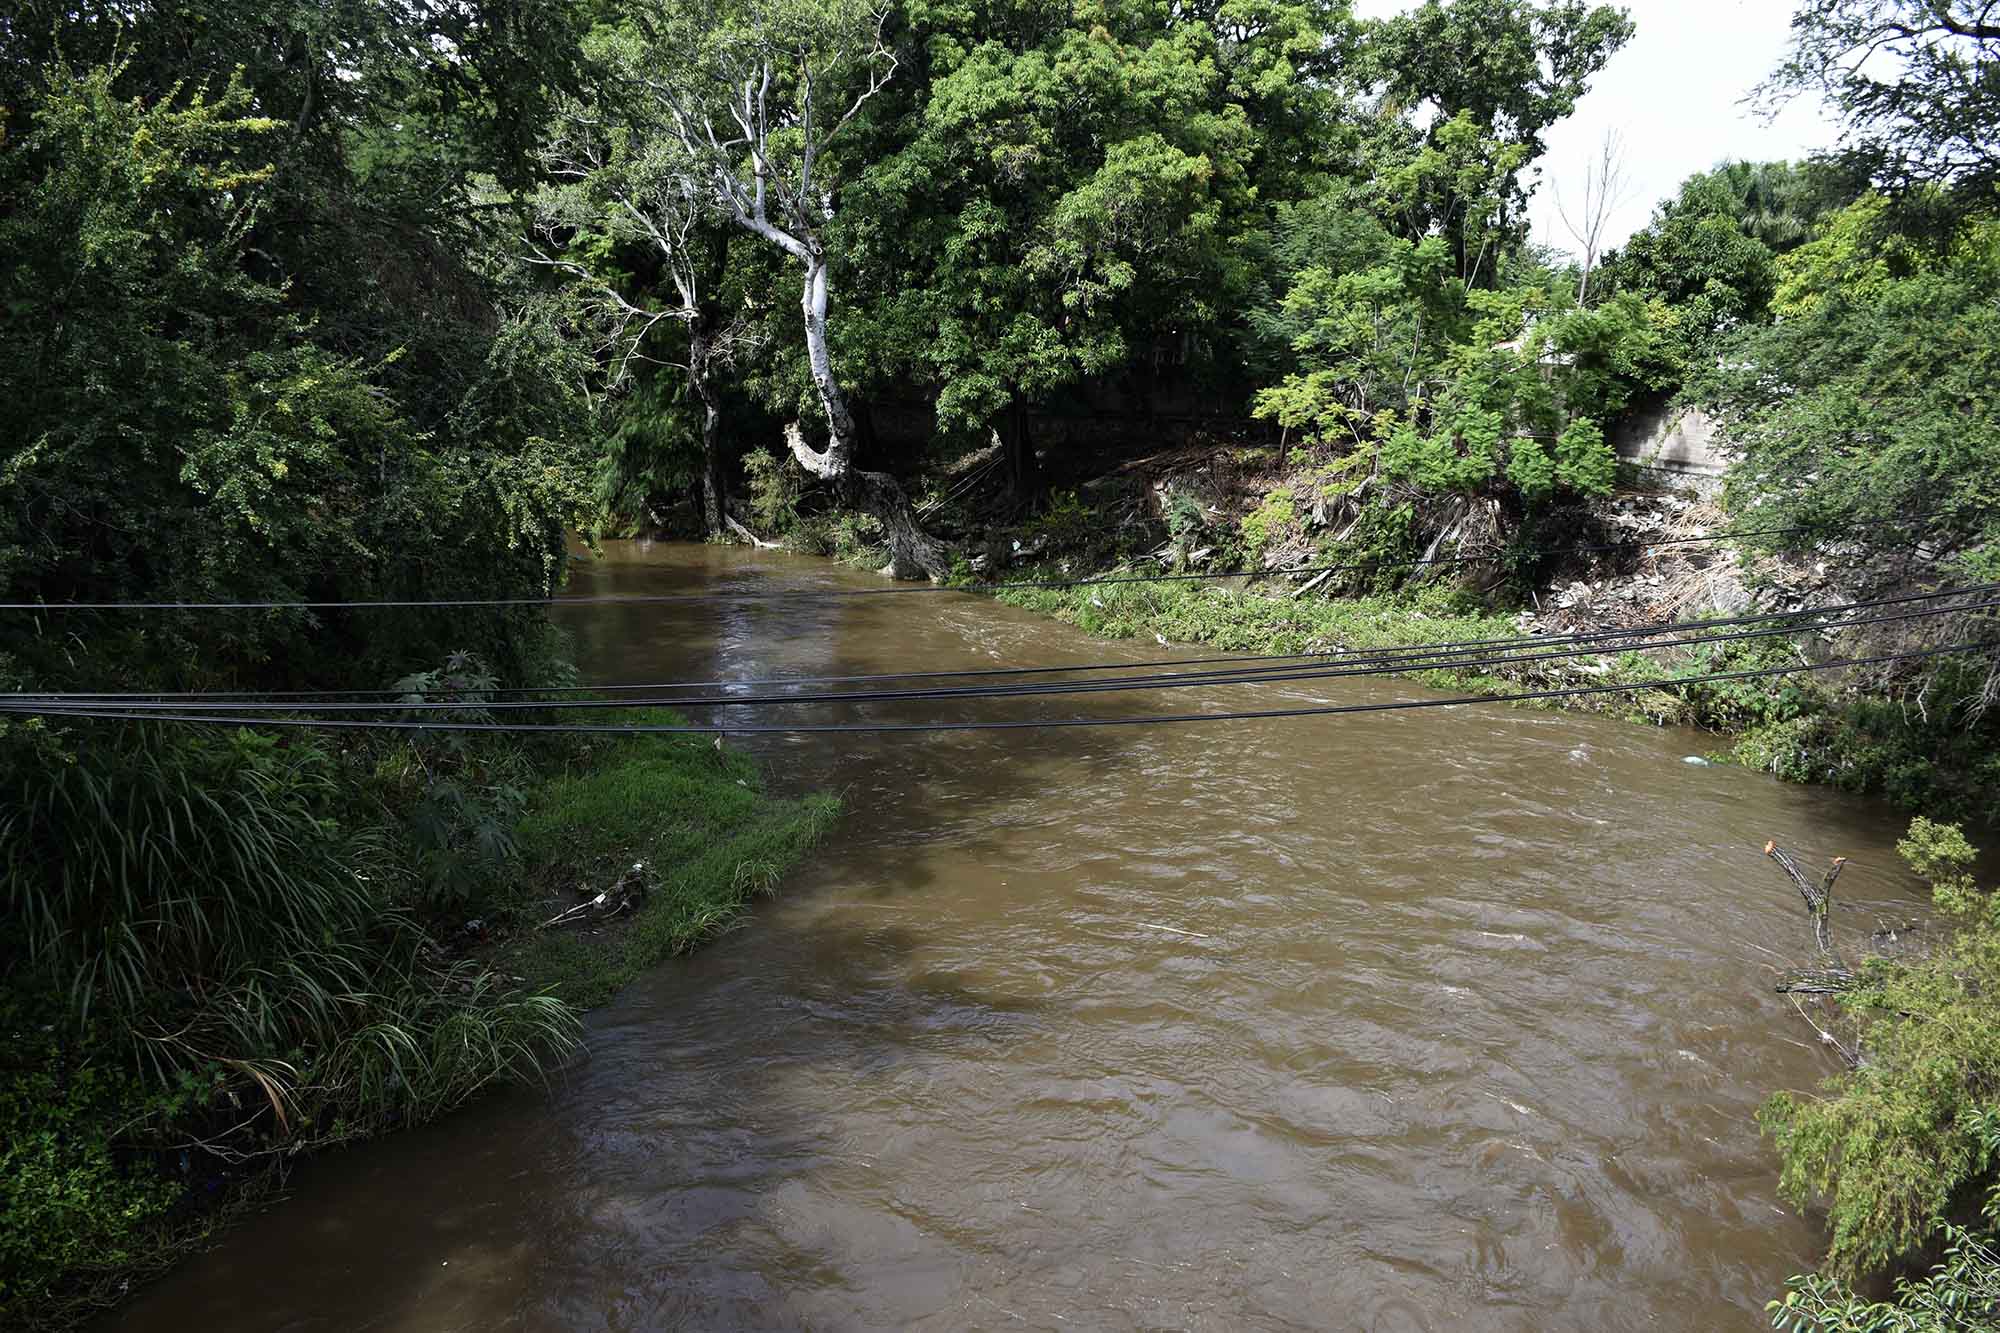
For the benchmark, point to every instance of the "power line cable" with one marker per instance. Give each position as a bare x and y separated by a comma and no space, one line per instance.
1471,659
1390,654
849,728
841,593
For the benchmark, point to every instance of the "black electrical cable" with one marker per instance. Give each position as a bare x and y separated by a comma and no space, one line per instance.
648,729
1478,659
837,593
1391,654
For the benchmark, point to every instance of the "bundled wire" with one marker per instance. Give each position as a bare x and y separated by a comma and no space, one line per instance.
1366,566
1033,724
234,714
1390,660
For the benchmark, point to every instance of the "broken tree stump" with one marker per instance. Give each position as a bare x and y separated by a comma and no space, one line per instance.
1832,975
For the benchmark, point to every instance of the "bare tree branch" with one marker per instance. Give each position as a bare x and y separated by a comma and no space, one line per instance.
1605,190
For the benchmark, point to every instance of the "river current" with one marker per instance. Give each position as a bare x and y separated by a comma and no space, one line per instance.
1445,1019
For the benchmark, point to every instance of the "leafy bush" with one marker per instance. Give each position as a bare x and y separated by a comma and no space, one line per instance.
1868,416
76,1213
1959,1295
775,487
1187,524
1067,521
151,864
1919,758
1272,517
1900,1145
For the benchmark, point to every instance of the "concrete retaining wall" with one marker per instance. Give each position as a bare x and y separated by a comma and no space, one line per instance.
1671,439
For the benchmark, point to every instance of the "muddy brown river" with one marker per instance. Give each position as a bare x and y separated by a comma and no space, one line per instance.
1447,1019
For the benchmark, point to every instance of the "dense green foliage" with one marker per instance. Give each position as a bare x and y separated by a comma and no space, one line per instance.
210,398
1044,209
269,335
338,303
1872,403
1905,1148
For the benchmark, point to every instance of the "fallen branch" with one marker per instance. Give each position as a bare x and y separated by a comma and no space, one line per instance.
748,535
1303,589
1832,976
1819,898
620,897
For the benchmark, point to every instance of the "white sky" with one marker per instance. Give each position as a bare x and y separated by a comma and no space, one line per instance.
1674,96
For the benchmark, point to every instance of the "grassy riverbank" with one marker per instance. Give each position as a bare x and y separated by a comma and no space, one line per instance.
138,1118
1254,621
1809,728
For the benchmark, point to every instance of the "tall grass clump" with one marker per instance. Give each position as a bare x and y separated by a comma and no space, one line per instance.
146,866
213,965
204,894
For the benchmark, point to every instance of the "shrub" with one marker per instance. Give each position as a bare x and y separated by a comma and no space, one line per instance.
775,486
1271,519
1901,1145
73,1215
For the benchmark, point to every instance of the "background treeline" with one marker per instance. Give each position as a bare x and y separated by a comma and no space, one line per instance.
347,301
1269,211
1070,234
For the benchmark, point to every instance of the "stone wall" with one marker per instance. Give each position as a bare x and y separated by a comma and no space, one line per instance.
1670,438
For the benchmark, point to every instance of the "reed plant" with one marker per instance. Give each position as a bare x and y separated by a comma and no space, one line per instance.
204,896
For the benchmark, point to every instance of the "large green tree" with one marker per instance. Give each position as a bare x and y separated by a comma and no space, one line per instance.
1507,70
256,344
1868,415
1917,83
1073,200
760,101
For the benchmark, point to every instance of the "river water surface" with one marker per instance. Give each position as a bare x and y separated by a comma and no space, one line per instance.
1450,1019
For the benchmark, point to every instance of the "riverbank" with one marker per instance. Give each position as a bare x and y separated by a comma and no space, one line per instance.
1807,728
1647,556
120,1160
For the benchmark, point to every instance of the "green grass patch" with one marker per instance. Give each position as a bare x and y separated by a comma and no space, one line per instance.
1250,621
697,816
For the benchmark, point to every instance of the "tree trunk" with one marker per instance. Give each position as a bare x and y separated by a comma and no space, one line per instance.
714,477
1018,448
840,422
913,553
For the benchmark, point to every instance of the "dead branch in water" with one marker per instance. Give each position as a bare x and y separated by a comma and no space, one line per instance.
1832,976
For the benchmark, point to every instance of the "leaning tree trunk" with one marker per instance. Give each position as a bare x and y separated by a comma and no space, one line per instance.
913,553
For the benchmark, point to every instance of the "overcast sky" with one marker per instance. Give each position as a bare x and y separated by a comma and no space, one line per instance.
1674,94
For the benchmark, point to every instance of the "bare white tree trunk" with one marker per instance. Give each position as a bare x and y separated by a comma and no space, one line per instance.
781,202
1604,192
